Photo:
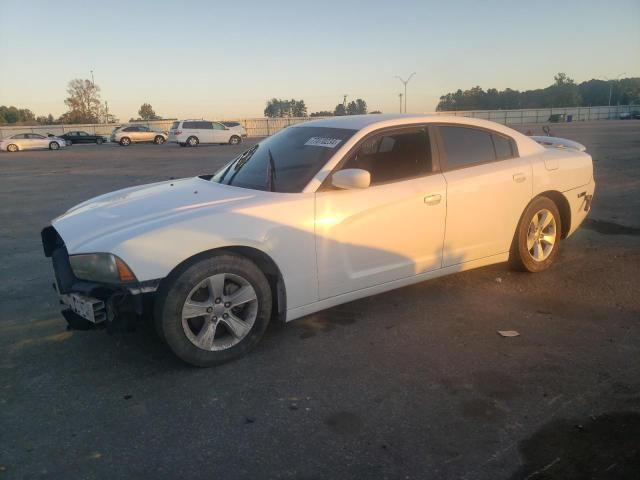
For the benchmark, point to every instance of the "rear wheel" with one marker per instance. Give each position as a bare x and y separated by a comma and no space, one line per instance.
54,146
12,148
235,140
192,141
214,310
537,238
125,141
159,140
99,141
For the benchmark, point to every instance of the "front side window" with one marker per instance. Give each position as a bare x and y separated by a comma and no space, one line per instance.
394,156
130,129
19,136
143,129
35,136
218,126
82,134
205,125
285,162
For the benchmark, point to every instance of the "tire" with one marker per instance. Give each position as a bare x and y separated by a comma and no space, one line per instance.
235,140
159,140
125,141
199,282
12,147
99,141
537,239
193,141
54,146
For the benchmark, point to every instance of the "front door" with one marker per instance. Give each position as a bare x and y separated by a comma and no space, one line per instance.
391,230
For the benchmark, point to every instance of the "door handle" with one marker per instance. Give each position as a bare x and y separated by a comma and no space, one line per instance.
433,199
519,177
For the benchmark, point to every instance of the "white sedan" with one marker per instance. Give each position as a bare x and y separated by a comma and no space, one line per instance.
321,213
31,141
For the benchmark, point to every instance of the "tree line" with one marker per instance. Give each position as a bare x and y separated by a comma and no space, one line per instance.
564,92
84,106
279,108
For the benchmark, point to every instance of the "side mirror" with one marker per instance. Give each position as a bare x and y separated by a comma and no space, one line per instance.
351,178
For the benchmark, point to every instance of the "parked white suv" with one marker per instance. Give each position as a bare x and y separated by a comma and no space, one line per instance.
193,132
129,134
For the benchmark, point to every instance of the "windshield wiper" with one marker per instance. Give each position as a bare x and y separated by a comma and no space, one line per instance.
271,173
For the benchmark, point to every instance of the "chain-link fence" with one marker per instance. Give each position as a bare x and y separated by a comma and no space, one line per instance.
263,127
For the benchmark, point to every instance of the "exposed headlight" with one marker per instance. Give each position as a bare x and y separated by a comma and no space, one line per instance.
101,267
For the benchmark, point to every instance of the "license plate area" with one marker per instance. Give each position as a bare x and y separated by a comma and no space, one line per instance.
88,308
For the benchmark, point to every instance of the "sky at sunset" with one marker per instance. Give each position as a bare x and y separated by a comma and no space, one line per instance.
221,60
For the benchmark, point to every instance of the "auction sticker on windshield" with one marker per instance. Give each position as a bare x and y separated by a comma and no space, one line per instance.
323,142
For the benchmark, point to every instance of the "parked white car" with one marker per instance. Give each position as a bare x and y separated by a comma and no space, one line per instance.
237,127
31,141
191,133
128,134
321,213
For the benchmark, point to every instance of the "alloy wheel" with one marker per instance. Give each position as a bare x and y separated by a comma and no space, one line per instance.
541,235
219,312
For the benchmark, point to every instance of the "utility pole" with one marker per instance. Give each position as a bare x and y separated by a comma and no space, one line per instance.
400,96
106,110
344,102
405,88
93,84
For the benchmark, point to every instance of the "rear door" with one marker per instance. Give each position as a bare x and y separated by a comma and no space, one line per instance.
37,141
144,134
488,187
83,137
207,134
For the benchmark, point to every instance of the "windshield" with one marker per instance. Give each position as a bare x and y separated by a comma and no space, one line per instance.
285,162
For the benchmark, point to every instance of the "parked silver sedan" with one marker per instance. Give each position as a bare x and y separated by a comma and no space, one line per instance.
31,141
127,135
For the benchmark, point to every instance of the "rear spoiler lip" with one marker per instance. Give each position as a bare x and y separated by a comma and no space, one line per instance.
557,142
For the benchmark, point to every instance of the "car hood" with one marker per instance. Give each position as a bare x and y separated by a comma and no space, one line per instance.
136,206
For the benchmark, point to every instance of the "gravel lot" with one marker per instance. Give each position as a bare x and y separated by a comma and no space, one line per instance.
414,383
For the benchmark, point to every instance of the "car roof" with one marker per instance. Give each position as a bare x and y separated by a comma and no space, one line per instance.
372,122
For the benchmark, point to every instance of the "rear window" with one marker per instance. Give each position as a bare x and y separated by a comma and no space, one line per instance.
286,161
174,125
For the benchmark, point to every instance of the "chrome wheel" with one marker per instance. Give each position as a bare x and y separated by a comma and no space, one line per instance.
192,141
54,146
12,148
219,312
541,235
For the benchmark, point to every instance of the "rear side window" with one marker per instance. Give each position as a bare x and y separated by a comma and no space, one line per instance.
205,125
130,129
218,126
504,146
466,146
190,125
230,124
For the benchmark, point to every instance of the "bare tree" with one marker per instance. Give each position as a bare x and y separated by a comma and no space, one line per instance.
83,101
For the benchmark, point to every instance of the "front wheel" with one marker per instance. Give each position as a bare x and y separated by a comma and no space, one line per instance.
537,238
54,146
214,310
12,148
99,141
159,140
125,141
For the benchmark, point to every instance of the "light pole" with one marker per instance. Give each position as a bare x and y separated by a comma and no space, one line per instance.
405,88
610,80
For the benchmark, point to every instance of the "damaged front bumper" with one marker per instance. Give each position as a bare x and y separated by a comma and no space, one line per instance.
87,304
